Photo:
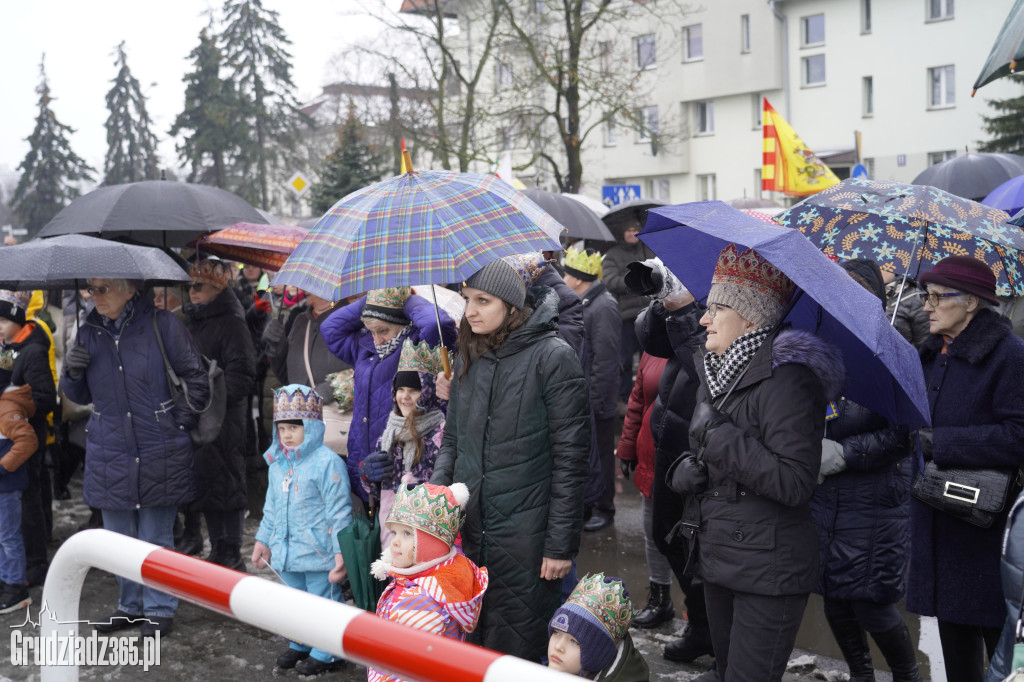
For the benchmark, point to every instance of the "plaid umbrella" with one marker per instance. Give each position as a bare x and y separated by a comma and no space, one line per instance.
909,228
417,228
266,246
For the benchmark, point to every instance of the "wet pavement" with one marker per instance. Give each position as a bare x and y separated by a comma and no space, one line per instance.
208,646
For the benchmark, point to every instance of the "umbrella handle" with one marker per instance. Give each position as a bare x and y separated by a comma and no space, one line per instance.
447,364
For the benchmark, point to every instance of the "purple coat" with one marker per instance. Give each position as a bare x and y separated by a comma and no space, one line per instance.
350,341
976,395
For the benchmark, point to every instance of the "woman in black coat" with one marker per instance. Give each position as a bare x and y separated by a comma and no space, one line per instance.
974,371
862,512
216,321
757,430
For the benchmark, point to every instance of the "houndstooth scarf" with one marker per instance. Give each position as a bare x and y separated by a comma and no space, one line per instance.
722,370
388,347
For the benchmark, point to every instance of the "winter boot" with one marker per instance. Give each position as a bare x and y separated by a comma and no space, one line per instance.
659,607
898,649
191,541
230,556
854,644
13,597
695,642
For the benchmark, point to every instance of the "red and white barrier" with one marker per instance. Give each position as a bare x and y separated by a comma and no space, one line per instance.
341,629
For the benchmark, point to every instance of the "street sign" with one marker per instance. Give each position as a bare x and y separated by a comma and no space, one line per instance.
298,184
617,194
859,171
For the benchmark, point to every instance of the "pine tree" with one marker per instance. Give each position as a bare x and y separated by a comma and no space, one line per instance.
49,169
352,165
255,47
131,145
211,119
1006,128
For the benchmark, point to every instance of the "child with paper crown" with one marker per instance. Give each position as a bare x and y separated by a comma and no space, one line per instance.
412,437
307,504
589,633
434,586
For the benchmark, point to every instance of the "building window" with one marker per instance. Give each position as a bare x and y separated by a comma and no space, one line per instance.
604,50
942,87
814,70
939,157
704,117
693,43
611,131
756,110
646,56
812,30
502,75
706,187
940,9
865,16
648,118
658,189
745,33
868,90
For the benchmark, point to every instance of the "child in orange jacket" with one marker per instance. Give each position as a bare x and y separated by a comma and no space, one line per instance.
17,443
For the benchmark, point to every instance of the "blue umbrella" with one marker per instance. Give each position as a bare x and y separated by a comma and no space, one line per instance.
1008,196
1018,219
883,371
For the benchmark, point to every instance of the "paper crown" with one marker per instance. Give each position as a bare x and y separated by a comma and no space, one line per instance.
527,265
420,357
607,599
18,300
392,297
586,261
749,269
343,386
297,404
433,509
211,271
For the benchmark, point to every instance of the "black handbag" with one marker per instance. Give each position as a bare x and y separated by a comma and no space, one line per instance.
211,417
976,496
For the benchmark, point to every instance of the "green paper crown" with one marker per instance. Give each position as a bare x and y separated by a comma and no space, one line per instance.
343,387
419,357
588,263
392,297
607,601
430,508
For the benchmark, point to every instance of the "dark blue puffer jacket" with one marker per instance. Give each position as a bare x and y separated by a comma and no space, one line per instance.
138,449
1011,569
862,514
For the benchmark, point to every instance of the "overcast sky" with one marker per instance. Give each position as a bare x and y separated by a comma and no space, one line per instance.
79,39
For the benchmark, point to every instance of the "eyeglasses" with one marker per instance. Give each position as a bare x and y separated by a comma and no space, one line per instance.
196,286
716,308
933,299
99,291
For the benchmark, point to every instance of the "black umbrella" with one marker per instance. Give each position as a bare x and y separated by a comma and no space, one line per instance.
155,212
65,262
972,176
579,221
627,212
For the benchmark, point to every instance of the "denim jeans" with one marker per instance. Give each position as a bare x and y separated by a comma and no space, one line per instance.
314,582
12,546
150,524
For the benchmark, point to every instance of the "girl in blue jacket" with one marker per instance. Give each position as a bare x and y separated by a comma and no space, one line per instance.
307,504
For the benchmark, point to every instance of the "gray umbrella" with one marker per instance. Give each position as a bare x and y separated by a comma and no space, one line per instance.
65,262
579,221
972,176
157,212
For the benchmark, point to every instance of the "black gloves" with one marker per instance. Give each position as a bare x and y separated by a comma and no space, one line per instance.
924,438
376,466
75,361
706,417
625,466
273,334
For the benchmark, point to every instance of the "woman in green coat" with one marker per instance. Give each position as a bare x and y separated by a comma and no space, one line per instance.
518,434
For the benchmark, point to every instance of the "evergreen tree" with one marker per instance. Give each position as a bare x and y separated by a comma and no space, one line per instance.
211,120
1006,128
131,145
49,169
255,48
352,165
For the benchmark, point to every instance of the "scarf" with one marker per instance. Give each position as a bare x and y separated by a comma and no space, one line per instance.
115,326
722,370
397,431
388,347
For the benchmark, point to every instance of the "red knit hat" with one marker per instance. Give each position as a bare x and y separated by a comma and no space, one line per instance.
965,274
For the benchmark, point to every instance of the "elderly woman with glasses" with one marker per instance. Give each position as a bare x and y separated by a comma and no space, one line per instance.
756,433
974,371
139,465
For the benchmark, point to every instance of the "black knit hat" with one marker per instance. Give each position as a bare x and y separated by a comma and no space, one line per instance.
500,279
13,305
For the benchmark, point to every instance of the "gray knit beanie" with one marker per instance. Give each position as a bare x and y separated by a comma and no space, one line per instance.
500,279
750,304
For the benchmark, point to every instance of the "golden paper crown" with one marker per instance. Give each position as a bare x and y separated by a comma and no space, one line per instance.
586,261
292,402
420,357
607,599
749,269
434,509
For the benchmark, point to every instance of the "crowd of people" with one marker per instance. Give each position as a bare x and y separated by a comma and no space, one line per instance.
760,482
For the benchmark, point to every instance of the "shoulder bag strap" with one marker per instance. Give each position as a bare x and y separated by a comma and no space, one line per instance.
305,353
173,382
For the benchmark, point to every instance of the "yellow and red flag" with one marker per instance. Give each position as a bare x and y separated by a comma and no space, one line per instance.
789,166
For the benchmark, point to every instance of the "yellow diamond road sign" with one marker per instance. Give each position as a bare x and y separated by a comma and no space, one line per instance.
298,184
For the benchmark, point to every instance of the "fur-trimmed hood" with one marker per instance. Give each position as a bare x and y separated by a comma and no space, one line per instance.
796,346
